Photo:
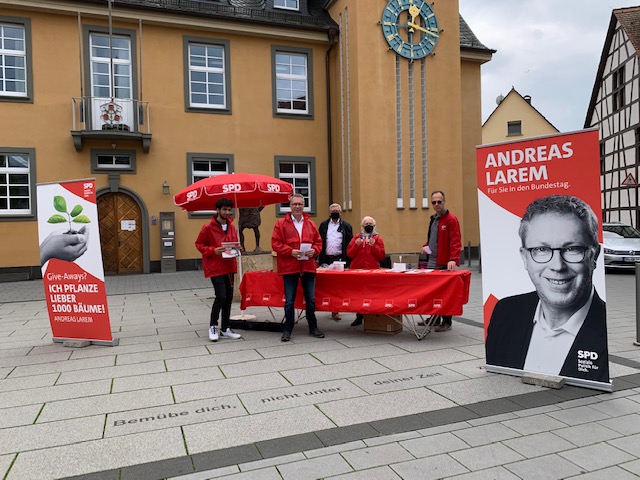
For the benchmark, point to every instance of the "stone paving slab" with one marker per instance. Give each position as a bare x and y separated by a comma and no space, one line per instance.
405,379
488,387
269,365
550,467
98,455
165,379
13,417
301,395
111,402
428,468
51,434
424,359
382,406
315,468
37,396
596,457
228,386
66,366
377,456
173,415
231,359
486,456
93,351
111,372
254,428
538,444
379,473
190,352
20,383
325,373
435,444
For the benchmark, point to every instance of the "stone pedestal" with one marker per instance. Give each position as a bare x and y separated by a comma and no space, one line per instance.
252,262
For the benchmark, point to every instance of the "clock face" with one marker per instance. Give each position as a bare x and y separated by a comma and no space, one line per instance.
410,27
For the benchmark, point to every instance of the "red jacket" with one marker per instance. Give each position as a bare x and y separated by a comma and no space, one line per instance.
210,237
366,256
285,239
449,244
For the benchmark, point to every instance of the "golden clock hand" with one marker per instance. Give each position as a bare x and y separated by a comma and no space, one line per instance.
413,11
415,25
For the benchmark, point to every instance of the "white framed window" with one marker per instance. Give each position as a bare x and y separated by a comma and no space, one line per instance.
287,4
122,161
300,172
16,183
101,66
206,73
15,61
291,78
204,165
206,76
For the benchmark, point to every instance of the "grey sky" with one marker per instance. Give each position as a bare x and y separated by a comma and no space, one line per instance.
549,49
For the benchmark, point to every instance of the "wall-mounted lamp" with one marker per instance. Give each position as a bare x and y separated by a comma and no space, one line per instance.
165,188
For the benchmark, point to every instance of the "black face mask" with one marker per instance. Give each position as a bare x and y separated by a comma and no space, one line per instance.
335,215
368,228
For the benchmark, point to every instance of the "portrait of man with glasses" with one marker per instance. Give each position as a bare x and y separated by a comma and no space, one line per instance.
560,328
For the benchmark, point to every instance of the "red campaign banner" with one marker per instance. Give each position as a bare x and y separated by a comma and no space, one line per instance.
419,292
544,299
71,258
76,302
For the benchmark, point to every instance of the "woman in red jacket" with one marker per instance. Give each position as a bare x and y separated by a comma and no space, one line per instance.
366,250
220,268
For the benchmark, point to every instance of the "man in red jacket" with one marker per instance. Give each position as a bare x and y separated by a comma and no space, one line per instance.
443,243
219,264
297,242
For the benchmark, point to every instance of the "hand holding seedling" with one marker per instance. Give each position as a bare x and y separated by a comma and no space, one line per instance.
64,246
69,245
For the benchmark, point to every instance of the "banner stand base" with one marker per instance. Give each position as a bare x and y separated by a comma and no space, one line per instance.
103,343
576,382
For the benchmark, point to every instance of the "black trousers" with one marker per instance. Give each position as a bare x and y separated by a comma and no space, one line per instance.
223,288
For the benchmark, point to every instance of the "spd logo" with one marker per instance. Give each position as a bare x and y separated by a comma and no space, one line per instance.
231,187
587,354
273,187
192,195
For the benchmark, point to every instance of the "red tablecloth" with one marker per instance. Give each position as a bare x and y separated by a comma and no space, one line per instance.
367,291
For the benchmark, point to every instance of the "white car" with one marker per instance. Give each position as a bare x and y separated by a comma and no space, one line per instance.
621,245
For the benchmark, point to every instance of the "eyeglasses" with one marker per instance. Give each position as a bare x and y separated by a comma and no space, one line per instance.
297,204
436,202
572,254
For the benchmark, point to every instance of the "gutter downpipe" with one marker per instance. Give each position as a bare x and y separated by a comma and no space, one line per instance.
333,35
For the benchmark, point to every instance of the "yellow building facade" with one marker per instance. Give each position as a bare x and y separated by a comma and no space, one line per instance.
515,118
216,88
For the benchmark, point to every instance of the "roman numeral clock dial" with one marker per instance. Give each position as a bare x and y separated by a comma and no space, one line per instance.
410,28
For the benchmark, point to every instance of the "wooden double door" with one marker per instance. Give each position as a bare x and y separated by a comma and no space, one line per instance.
120,233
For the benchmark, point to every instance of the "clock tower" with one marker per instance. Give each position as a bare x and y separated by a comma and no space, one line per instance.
396,114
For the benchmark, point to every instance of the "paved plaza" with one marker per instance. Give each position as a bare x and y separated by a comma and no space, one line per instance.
168,403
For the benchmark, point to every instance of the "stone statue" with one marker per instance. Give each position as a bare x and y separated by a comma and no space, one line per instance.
250,218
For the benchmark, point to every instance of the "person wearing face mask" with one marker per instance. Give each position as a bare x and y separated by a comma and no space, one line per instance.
336,235
366,250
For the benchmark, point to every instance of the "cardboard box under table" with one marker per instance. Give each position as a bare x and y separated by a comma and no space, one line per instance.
383,324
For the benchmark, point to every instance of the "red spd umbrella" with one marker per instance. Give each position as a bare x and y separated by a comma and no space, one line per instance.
246,190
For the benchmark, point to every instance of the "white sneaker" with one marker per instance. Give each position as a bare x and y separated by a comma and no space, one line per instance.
228,333
213,333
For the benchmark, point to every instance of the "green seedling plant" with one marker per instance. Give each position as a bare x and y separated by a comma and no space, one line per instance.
60,204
